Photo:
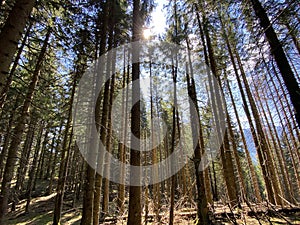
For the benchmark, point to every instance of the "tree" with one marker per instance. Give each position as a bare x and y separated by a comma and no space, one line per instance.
135,210
280,57
197,132
65,156
10,35
18,131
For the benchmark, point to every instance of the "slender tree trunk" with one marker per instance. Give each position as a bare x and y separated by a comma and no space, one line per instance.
197,134
103,115
135,209
249,160
173,140
154,141
50,159
266,160
280,57
18,132
277,148
32,172
4,90
41,156
122,147
53,166
106,181
290,148
65,154
10,35
41,168
236,159
291,122
207,49
226,154
7,138
23,165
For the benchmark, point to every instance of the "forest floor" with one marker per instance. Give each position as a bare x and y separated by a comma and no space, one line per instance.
41,213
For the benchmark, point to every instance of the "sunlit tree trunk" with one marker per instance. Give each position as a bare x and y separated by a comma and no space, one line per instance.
236,158
248,157
279,56
277,147
265,157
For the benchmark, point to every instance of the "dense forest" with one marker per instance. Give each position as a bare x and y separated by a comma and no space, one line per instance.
105,119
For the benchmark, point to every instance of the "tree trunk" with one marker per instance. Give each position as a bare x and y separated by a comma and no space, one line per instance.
122,147
249,160
197,134
41,168
280,57
32,171
10,35
23,165
266,159
236,159
18,132
135,209
53,166
106,181
50,158
7,138
40,156
154,141
65,154
278,150
102,115
173,143
4,90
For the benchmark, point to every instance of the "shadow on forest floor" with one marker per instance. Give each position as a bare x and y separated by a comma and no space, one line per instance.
41,213
41,210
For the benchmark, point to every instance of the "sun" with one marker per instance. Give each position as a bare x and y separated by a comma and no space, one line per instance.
147,33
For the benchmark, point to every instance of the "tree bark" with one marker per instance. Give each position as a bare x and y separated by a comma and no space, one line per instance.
105,200
64,160
23,165
101,124
10,35
18,132
197,134
50,187
7,138
249,160
280,57
32,171
4,90
263,149
122,146
135,209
